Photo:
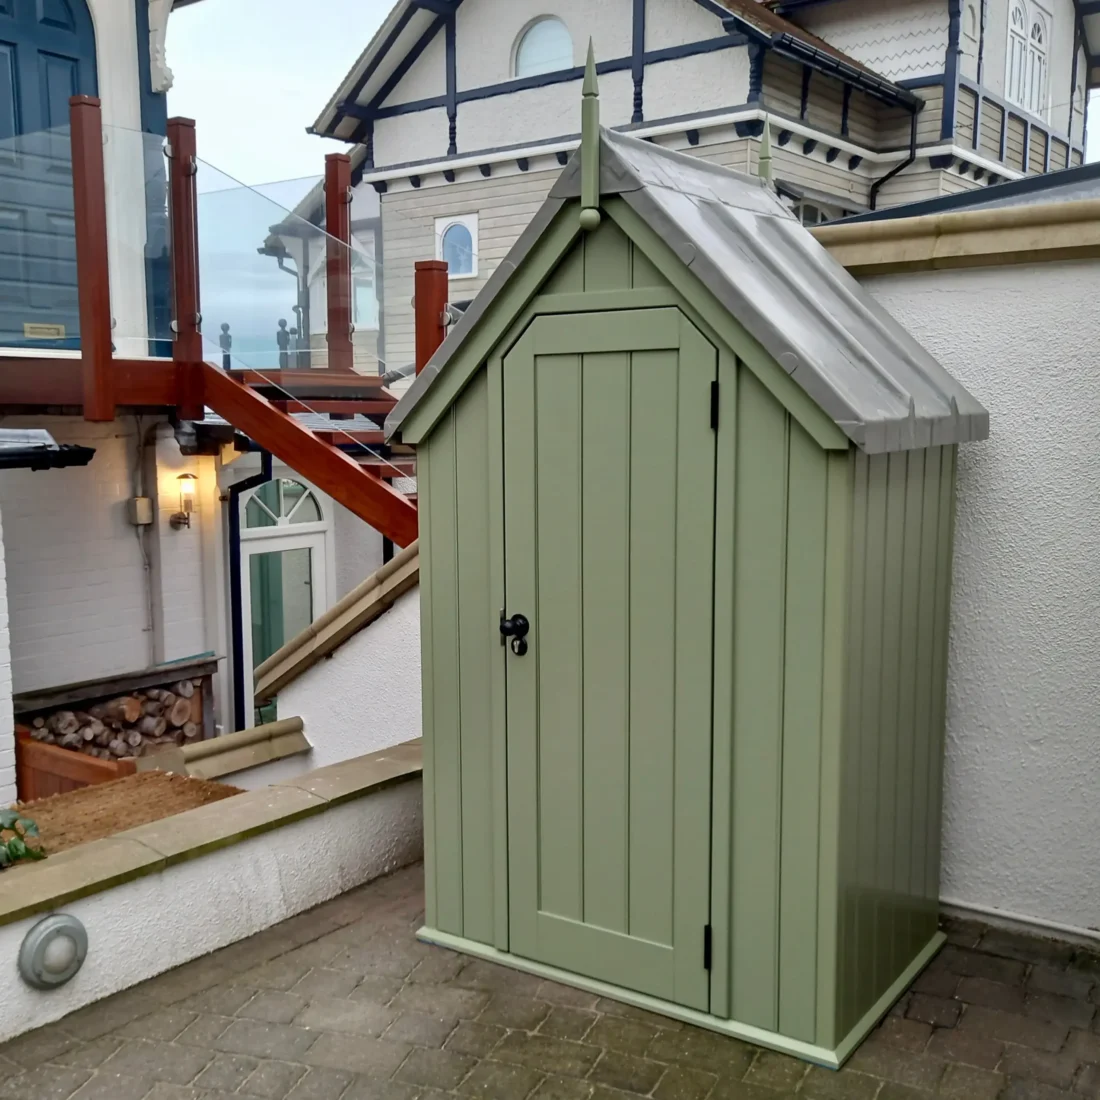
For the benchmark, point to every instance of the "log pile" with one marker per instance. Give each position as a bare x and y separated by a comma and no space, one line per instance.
127,725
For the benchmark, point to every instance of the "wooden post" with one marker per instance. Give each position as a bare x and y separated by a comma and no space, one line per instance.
430,289
186,318
93,279
341,353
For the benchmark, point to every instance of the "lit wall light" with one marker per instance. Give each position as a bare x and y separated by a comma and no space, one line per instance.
182,518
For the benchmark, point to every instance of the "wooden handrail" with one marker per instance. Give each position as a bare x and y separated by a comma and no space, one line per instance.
341,350
186,317
93,281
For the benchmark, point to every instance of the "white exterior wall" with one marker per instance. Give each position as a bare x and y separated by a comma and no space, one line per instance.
217,899
427,76
76,593
694,84
487,34
899,40
364,697
1021,812
419,135
358,549
677,22
7,725
119,80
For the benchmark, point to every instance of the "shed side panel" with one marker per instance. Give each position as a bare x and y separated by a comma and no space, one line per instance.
790,579
893,741
461,634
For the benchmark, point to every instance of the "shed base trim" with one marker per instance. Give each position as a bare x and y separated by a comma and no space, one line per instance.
822,1056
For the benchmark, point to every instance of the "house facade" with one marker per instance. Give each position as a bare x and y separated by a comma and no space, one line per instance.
207,526
461,112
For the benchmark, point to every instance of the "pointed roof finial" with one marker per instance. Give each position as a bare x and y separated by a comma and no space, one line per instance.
590,144
764,169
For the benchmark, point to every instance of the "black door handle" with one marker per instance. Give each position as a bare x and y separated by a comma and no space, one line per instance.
515,628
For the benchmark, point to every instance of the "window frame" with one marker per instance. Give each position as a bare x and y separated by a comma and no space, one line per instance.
470,223
1027,61
517,46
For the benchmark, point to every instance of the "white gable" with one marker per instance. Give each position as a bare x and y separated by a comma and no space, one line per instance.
426,78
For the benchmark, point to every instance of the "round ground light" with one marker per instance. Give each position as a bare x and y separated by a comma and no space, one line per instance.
53,951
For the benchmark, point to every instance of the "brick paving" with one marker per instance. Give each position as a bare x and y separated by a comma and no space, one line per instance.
342,1003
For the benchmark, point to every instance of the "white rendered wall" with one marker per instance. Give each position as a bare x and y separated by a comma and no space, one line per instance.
677,22
899,40
421,135
1021,810
118,75
216,900
486,34
694,84
427,76
7,729
363,698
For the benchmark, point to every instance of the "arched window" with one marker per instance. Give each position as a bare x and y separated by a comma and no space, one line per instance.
282,503
544,47
1037,65
456,242
1028,45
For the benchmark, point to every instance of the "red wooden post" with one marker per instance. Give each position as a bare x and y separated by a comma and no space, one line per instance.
93,282
186,319
341,353
430,290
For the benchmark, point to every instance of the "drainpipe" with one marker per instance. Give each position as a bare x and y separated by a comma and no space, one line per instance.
240,674
897,169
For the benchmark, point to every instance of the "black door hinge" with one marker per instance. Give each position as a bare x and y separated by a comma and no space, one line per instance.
706,936
714,406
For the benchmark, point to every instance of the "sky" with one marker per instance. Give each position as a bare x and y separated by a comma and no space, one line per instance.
255,73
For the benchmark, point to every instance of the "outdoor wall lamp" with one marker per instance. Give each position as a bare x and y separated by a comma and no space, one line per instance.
182,518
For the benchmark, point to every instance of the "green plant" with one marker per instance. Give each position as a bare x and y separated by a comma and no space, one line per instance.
15,833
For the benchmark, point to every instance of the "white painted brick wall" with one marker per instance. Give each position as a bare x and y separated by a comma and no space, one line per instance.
76,577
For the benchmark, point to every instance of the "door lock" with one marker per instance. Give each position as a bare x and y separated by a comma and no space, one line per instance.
515,628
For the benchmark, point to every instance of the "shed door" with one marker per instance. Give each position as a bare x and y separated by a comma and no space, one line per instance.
609,521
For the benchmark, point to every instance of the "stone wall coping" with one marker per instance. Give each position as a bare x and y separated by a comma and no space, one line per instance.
358,609
1034,233
29,889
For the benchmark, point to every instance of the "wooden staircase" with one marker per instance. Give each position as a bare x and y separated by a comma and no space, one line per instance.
240,397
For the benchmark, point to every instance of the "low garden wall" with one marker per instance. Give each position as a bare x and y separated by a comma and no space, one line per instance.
162,894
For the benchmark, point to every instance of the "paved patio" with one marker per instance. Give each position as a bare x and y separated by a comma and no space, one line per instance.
342,1003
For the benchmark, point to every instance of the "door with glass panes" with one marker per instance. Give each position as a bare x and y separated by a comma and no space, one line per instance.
283,572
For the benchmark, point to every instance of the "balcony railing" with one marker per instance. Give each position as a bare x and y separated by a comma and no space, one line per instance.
125,260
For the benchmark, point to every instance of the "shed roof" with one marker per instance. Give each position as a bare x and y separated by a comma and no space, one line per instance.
857,363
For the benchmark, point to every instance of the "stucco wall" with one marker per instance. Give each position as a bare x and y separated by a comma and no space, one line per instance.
1021,812
215,900
365,697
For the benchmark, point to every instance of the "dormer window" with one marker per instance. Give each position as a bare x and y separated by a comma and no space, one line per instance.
1028,51
544,46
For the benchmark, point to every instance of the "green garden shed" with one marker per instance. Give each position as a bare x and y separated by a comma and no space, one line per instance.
686,504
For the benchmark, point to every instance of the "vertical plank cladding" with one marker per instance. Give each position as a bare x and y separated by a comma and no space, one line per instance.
902,509
458,650
478,649
759,572
446,701
807,503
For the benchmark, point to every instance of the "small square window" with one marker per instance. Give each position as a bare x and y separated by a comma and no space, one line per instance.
456,242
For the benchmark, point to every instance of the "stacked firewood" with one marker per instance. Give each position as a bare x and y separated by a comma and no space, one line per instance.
127,725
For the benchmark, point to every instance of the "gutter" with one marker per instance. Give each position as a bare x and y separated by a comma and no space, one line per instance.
240,674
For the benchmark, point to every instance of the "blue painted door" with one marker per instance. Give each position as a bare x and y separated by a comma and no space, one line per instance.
47,54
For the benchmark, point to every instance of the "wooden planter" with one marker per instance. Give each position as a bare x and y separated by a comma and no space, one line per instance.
42,770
